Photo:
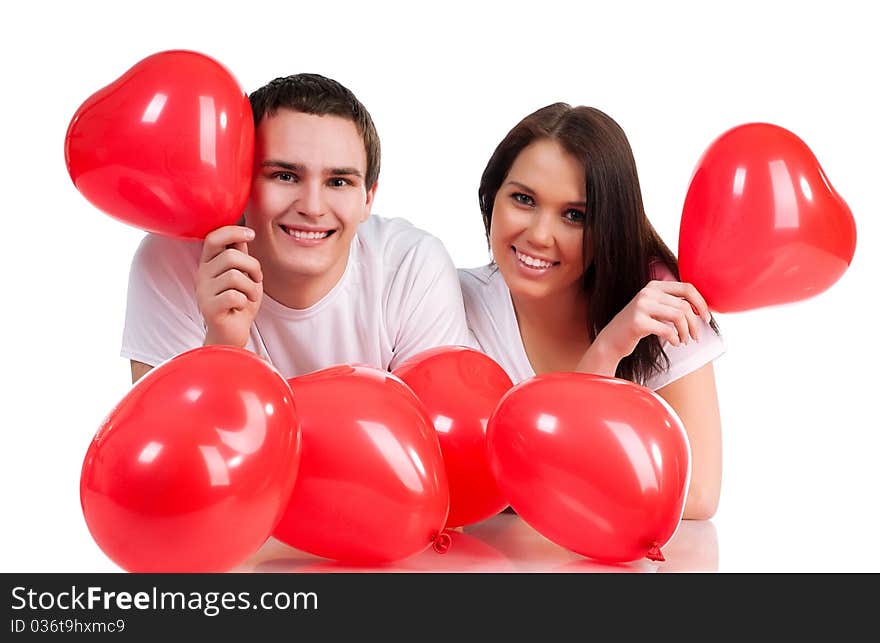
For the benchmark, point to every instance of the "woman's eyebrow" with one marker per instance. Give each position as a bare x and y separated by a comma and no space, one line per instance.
521,186
526,188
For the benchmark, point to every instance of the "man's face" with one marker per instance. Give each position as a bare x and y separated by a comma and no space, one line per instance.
307,199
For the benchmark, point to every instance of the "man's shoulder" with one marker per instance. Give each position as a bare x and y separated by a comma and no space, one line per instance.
162,254
162,245
394,238
378,229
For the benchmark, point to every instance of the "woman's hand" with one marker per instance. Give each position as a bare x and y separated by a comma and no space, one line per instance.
671,310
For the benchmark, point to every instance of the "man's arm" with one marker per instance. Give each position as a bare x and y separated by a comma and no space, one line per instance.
138,370
177,302
161,315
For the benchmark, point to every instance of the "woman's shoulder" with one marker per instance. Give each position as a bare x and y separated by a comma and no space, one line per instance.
482,287
484,293
478,277
660,271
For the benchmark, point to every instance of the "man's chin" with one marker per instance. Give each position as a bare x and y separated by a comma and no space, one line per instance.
306,271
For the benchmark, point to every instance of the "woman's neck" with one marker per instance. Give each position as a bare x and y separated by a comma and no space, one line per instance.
554,334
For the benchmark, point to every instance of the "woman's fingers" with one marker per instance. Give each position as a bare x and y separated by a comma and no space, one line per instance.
676,316
663,330
693,322
688,292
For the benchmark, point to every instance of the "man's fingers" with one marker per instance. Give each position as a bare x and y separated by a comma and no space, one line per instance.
232,300
220,239
231,259
237,280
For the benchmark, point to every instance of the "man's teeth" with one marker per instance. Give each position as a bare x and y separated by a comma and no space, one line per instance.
532,261
301,234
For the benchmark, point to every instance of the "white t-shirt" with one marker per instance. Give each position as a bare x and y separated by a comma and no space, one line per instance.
399,295
492,322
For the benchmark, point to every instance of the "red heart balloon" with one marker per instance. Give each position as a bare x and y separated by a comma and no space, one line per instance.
596,464
466,554
193,468
460,389
168,147
761,223
371,486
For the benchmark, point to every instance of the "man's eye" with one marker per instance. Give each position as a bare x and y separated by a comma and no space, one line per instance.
339,183
287,177
523,199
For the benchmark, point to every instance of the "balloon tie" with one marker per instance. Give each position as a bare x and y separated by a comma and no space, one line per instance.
654,553
442,542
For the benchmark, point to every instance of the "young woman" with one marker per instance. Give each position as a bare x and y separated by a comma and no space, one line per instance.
581,281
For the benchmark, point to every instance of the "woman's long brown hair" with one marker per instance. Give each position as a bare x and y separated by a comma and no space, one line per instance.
624,243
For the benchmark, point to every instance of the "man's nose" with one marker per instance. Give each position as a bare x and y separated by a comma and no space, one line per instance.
310,200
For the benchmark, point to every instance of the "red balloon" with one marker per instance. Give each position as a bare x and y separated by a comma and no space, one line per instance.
371,486
761,223
460,389
193,468
168,147
466,554
596,464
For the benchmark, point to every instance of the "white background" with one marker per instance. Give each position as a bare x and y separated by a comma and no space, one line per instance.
444,82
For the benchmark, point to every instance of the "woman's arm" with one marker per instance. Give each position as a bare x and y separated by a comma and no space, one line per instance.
695,400
671,311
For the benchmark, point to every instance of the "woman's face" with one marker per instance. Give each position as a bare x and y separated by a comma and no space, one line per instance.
538,222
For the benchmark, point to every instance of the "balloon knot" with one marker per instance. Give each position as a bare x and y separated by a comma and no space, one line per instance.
654,553
442,542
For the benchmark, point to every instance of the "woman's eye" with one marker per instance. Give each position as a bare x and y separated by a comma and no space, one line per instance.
523,199
575,216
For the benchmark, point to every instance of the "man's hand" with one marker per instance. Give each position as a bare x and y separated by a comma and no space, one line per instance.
229,286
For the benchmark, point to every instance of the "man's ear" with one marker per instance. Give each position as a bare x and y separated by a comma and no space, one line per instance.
371,195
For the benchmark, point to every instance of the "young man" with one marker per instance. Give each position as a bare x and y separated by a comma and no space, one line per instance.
311,279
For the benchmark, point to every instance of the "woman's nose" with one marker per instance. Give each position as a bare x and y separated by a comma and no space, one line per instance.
540,232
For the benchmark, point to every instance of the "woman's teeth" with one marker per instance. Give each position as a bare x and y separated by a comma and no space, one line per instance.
532,261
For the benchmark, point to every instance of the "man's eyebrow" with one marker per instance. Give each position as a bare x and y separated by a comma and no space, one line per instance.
345,171
294,167
297,167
